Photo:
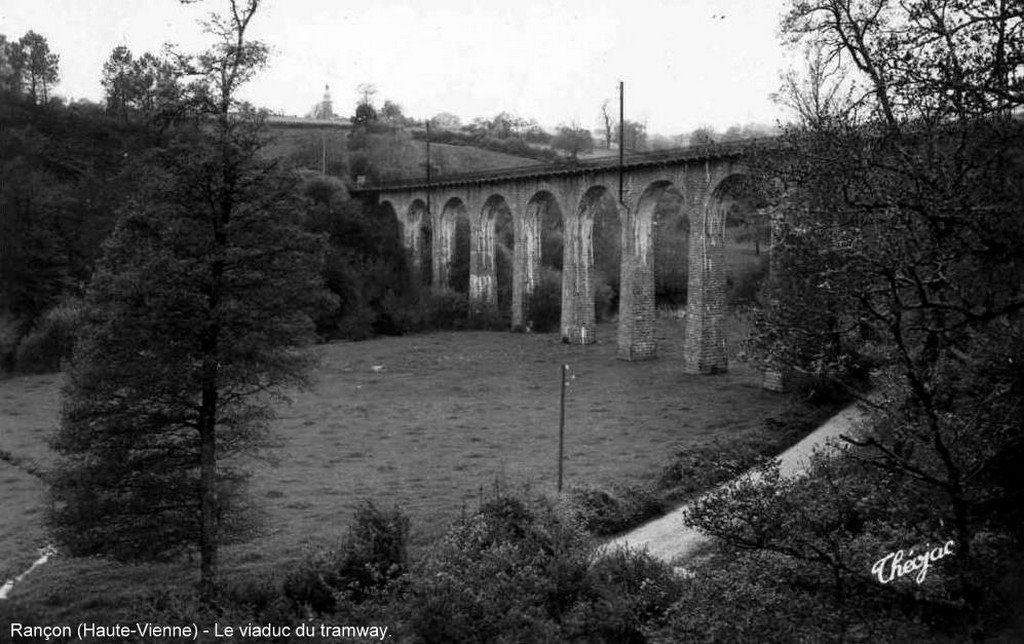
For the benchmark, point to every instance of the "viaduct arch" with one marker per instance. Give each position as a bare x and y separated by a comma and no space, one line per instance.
705,180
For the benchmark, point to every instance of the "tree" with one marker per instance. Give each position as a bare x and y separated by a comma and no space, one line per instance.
365,114
194,317
117,81
34,60
635,139
445,121
704,135
609,124
367,91
7,75
573,139
898,254
391,113
820,93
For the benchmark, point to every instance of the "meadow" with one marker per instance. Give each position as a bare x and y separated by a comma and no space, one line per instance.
427,422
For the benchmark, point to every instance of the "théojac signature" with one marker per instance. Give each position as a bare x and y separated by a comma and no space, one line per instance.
896,564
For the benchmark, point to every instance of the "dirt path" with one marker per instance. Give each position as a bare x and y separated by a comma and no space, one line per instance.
669,539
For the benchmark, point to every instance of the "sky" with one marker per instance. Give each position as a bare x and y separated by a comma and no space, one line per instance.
684,65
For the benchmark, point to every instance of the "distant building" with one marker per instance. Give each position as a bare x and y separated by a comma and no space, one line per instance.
324,109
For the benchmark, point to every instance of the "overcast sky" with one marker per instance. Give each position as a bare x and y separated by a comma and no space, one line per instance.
552,60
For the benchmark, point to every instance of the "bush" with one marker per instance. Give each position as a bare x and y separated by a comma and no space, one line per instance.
51,340
544,306
605,512
517,570
744,286
757,597
606,300
10,335
488,318
448,310
372,557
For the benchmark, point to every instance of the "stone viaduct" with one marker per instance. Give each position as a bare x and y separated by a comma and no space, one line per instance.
706,178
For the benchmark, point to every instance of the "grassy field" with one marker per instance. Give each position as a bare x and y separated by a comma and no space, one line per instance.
425,422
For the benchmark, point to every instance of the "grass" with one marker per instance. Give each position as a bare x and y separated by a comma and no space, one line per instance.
443,417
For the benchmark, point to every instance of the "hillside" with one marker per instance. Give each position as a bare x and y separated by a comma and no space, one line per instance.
402,156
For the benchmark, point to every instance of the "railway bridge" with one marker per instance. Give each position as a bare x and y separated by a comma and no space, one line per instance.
707,180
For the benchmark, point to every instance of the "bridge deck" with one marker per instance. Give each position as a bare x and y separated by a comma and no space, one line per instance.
545,170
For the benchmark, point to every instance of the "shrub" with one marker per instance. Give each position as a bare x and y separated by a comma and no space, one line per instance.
447,309
544,306
51,339
373,556
605,512
517,570
488,318
757,597
743,287
10,335
606,300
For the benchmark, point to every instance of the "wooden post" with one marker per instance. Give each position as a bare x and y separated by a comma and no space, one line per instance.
561,425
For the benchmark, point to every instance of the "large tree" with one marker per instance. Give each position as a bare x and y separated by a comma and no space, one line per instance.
573,139
194,315
898,252
35,66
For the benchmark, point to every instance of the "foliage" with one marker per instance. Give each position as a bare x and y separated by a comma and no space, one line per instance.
573,140
635,137
760,597
365,263
481,138
372,557
34,68
50,341
610,510
898,257
744,286
64,172
516,571
147,87
193,316
544,306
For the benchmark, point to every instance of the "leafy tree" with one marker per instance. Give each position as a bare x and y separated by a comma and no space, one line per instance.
365,114
117,81
37,66
193,317
573,139
608,122
635,138
703,135
391,113
898,253
445,121
7,72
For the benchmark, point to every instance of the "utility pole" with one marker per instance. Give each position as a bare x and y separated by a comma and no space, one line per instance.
428,167
622,135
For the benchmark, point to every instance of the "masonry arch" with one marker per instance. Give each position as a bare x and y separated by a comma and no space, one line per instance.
592,265
537,285
418,236
493,266
452,246
705,343
743,202
655,264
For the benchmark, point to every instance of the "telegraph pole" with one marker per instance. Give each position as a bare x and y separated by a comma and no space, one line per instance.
622,135
428,167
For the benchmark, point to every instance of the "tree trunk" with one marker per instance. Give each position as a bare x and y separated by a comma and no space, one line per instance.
208,477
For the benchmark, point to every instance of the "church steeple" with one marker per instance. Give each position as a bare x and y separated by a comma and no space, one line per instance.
325,109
